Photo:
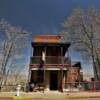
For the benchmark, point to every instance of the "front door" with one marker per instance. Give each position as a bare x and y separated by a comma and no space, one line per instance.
53,80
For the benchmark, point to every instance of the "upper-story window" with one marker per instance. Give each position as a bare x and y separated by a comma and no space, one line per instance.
38,51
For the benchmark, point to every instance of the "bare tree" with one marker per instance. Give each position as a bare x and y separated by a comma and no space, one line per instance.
16,75
11,47
82,29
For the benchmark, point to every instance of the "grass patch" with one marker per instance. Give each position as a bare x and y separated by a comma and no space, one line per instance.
21,98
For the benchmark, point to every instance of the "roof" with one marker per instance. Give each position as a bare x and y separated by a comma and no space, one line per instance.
78,64
48,38
50,41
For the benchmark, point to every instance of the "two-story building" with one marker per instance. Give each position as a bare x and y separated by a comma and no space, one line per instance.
48,64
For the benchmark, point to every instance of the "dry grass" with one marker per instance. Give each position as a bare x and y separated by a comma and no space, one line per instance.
21,98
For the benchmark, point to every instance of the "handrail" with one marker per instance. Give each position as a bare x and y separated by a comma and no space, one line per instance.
50,60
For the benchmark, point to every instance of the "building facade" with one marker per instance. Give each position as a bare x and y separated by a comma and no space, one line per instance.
48,64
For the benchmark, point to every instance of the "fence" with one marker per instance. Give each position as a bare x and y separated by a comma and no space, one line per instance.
71,87
82,86
11,88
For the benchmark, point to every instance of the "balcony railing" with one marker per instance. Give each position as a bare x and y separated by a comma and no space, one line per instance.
50,60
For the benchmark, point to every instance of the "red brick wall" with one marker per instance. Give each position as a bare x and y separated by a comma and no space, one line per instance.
73,74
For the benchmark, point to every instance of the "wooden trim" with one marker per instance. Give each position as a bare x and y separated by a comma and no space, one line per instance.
50,65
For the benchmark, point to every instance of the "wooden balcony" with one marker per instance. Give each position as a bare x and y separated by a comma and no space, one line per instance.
50,62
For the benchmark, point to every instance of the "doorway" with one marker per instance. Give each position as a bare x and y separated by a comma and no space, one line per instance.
54,80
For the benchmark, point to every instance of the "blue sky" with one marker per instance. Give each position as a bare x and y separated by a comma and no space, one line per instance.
42,16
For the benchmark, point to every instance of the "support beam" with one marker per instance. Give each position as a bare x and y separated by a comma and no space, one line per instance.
44,64
62,69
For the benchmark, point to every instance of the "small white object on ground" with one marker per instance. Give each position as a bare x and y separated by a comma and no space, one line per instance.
18,90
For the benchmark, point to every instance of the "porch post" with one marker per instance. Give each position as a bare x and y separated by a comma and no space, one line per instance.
44,59
62,70
32,51
29,75
69,59
29,70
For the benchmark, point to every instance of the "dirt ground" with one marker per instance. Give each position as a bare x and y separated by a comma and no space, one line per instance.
55,95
